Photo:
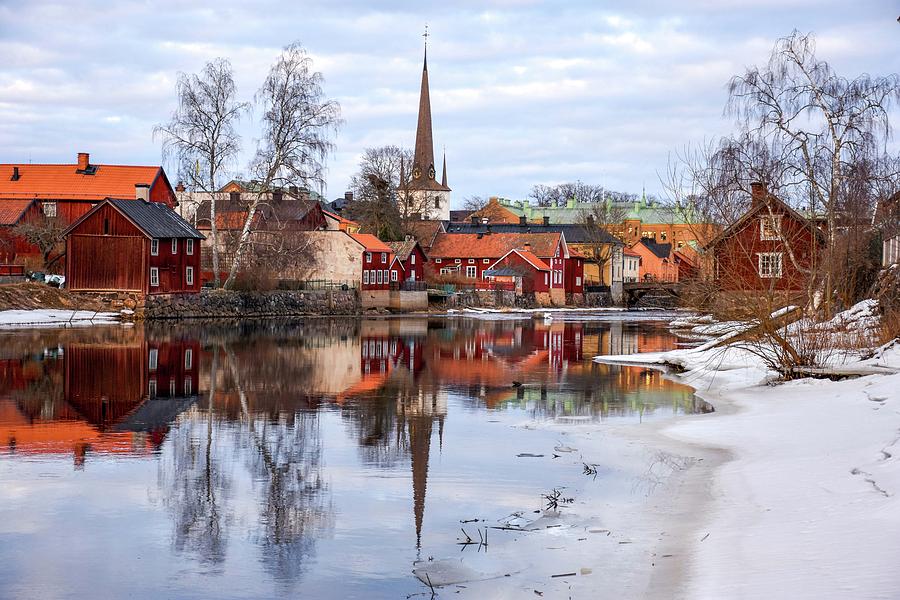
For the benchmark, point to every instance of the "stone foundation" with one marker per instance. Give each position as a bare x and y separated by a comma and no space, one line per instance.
222,304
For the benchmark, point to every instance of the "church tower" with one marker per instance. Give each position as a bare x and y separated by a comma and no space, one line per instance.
428,196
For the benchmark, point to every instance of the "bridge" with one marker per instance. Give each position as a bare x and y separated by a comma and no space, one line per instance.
664,294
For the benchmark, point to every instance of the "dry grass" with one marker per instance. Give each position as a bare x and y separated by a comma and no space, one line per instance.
19,296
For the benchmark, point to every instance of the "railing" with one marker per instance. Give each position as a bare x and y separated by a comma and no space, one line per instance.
316,285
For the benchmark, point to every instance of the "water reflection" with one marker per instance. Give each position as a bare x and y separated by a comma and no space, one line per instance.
246,423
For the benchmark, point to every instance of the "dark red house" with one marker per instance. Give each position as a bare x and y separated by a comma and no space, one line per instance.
134,246
13,248
376,261
771,247
409,261
528,273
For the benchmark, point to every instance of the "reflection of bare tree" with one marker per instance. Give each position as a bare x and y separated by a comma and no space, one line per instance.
197,485
285,459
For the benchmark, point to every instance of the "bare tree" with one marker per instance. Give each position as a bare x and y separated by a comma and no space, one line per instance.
475,203
45,233
596,221
818,124
380,203
298,122
202,136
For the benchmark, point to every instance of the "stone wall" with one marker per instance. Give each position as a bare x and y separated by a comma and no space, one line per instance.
222,304
488,299
404,300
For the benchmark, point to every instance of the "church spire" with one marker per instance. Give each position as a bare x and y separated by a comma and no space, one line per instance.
444,172
423,172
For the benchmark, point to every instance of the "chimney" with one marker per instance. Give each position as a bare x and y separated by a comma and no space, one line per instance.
142,191
348,196
527,247
476,220
84,161
546,220
180,187
757,192
15,175
523,220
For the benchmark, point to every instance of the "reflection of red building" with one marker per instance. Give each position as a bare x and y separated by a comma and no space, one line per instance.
100,397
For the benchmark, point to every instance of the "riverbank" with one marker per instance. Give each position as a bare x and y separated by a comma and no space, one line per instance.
802,501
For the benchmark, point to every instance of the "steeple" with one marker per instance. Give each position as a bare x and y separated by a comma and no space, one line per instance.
444,172
423,168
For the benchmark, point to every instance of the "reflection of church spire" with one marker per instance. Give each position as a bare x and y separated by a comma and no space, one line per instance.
419,442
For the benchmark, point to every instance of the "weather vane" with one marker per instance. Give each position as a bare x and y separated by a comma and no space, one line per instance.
425,35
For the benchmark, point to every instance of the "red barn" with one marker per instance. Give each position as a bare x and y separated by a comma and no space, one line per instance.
124,245
771,247
529,273
14,249
409,261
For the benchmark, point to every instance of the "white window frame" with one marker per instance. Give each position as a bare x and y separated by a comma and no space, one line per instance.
394,275
437,261
174,246
384,258
188,358
471,272
151,388
189,247
775,221
154,247
577,281
486,261
771,272
154,277
379,275
189,275
153,359
49,209
412,259
172,388
368,257
387,275
365,277
546,279
471,261
188,386
449,270
457,261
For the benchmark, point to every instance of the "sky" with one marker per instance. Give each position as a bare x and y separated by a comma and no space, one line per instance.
523,92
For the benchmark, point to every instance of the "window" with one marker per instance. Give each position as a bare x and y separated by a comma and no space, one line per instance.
546,279
154,247
437,202
366,277
449,270
457,261
577,281
172,388
154,276
648,234
174,245
368,257
770,265
383,257
189,275
769,226
189,247
437,260
412,259
472,272
380,276
188,358
188,386
153,359
486,261
49,209
471,261
387,276
663,236
105,226
393,275
151,388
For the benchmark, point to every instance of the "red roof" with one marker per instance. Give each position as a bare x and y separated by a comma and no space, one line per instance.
630,252
533,260
62,182
12,210
370,242
493,245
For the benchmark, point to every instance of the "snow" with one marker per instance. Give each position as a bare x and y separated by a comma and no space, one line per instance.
13,319
805,501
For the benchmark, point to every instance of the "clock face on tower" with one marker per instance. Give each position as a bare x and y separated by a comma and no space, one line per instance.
417,173
431,173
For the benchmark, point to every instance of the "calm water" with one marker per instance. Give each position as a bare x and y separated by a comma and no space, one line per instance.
316,458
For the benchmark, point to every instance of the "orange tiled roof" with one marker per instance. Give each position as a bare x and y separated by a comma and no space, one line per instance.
535,262
493,245
370,242
61,182
630,252
12,210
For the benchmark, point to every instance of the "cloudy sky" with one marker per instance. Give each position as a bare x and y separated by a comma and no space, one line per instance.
523,91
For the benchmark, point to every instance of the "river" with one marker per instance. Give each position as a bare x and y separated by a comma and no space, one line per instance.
322,458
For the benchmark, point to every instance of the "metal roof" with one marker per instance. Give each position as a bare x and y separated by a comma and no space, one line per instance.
575,233
155,219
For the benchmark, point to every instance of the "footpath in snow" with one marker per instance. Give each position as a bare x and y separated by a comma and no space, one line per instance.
805,500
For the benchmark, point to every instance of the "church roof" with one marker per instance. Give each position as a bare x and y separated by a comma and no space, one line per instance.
423,154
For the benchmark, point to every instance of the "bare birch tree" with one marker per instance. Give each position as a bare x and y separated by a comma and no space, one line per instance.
298,122
202,136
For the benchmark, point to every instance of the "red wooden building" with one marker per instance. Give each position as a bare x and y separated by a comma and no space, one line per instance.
124,245
771,247
528,273
409,261
376,261
13,248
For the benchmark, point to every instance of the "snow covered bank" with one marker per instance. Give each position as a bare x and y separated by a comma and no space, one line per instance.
808,503
15,319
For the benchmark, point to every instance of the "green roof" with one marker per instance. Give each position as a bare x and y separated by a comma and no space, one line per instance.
646,211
